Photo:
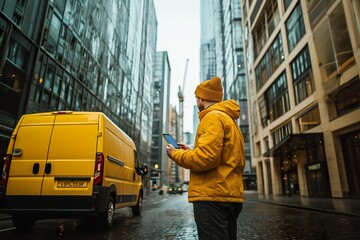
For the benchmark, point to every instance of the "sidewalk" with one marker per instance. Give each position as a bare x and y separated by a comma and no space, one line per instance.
350,207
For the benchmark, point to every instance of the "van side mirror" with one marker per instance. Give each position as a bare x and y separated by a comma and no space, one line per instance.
142,170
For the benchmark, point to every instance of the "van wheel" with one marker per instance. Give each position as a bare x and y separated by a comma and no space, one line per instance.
107,218
23,222
136,210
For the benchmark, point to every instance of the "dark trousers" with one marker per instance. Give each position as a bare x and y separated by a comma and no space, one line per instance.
216,220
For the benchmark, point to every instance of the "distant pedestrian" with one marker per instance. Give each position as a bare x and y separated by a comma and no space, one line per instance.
216,163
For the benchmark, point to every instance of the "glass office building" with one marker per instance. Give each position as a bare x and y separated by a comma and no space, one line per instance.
161,100
303,64
78,55
222,54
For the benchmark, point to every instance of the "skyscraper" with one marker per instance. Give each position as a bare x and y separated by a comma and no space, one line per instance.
161,124
222,54
78,55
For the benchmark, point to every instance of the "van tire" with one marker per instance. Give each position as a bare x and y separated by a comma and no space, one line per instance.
136,210
107,218
23,222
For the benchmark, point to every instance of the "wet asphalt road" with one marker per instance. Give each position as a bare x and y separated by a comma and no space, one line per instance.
171,217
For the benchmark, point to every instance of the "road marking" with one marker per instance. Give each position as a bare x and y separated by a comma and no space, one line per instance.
163,200
7,229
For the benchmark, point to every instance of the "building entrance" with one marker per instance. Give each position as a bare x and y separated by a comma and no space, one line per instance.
318,180
291,183
302,154
290,175
351,151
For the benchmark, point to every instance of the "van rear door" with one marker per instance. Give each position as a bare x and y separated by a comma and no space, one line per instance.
71,161
31,143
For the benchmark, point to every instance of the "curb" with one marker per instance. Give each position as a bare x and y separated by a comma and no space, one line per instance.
310,208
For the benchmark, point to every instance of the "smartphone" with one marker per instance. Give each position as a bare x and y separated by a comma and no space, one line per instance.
169,139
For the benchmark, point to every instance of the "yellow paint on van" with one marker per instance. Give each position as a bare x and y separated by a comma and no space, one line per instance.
54,159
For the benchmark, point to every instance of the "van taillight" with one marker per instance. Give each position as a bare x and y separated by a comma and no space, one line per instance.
99,167
6,169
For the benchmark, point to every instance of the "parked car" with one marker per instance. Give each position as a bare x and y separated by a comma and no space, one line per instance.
175,189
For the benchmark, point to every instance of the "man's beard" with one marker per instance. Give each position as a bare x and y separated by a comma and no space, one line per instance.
201,107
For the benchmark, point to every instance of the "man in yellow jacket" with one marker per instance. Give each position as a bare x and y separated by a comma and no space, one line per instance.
216,163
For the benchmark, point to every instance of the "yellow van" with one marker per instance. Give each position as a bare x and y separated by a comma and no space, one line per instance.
66,164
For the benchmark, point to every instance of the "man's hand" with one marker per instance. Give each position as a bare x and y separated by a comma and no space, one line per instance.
169,149
183,146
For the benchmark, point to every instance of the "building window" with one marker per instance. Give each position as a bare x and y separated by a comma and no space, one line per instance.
348,98
287,3
295,27
262,72
270,62
278,98
356,16
264,113
317,9
272,16
302,75
282,132
11,87
267,23
53,34
309,120
4,28
259,35
18,53
257,149
334,50
276,53
19,12
266,144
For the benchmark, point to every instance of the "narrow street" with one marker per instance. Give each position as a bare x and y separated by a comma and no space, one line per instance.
171,217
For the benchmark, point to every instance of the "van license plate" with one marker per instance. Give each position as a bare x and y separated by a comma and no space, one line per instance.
72,184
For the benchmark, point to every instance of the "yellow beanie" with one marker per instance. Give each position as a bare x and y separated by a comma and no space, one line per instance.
210,90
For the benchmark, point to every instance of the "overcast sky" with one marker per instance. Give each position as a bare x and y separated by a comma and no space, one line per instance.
179,35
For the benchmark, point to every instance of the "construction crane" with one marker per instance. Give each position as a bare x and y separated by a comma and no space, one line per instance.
181,103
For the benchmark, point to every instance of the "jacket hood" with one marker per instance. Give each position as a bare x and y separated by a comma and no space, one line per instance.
230,107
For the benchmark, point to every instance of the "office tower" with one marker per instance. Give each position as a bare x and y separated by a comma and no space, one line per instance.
222,54
78,56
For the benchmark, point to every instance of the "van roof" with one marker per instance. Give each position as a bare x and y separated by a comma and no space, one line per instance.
124,135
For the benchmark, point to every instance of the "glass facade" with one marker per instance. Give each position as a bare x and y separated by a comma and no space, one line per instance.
334,50
207,51
348,98
302,75
161,102
309,120
222,54
295,27
277,98
270,62
267,23
287,3
282,132
79,55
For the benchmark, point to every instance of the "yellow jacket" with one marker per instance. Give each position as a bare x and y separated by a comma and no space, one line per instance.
217,161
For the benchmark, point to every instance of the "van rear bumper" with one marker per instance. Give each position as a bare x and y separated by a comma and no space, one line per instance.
53,205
